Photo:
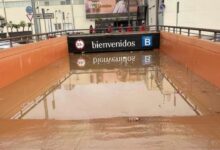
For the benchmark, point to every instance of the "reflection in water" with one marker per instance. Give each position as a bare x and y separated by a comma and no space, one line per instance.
111,85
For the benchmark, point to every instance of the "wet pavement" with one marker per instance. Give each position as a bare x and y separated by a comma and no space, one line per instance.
123,100
191,133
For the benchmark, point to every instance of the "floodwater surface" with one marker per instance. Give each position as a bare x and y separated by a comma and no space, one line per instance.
123,100
110,85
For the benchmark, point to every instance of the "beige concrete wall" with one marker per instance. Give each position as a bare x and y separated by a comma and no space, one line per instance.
193,13
152,12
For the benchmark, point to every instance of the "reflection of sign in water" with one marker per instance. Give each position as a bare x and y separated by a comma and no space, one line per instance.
112,60
81,62
109,60
146,60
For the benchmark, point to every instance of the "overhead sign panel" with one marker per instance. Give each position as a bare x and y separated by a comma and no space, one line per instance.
120,42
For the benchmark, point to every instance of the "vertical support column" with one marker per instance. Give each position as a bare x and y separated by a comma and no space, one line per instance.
45,25
215,36
6,19
129,21
177,12
72,11
157,15
200,34
35,19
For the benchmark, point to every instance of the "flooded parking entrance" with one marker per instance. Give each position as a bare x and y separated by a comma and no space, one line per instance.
110,85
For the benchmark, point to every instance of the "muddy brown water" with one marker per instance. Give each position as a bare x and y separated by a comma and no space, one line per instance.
107,85
123,100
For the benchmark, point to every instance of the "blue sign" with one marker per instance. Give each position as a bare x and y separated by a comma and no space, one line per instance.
29,9
147,41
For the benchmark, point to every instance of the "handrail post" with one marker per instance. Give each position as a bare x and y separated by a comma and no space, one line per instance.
168,29
188,32
46,35
180,31
11,45
215,36
37,38
200,34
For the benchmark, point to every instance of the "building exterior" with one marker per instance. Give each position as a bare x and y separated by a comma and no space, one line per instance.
71,14
193,13
68,14
152,12
190,13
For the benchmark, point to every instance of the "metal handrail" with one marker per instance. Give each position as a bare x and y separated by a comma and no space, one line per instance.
43,36
192,28
213,35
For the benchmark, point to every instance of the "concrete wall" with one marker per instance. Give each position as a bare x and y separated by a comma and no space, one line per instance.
193,13
80,14
200,56
152,12
18,62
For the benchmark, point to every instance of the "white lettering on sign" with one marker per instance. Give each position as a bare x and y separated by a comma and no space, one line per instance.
121,43
147,42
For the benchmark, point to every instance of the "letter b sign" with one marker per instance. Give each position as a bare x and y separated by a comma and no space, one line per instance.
147,41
